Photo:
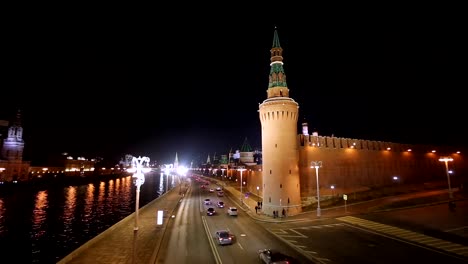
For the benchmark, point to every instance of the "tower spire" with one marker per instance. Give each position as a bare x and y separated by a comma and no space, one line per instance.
176,161
277,86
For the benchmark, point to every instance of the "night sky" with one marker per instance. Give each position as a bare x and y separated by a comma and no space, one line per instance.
191,82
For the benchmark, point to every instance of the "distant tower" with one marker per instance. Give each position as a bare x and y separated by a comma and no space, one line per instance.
305,128
13,145
208,161
278,118
246,153
176,161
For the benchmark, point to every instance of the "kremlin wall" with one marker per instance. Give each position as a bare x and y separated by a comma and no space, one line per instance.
355,165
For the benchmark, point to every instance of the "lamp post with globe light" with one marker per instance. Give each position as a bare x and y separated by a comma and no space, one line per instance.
139,166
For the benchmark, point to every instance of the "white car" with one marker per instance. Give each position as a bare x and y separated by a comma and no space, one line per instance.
207,201
224,237
232,211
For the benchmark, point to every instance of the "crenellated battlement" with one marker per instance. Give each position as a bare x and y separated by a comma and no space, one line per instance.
332,142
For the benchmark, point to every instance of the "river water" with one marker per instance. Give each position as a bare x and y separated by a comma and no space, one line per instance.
45,225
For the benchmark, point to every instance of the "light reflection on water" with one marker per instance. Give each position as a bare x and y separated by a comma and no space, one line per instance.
46,225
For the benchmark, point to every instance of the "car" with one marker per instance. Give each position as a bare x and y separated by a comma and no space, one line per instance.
220,193
210,211
220,204
207,201
271,256
232,211
224,237
211,190
218,189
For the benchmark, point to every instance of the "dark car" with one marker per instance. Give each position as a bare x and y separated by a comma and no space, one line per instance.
210,211
271,256
220,204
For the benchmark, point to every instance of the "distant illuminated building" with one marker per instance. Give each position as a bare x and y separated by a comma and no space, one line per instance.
12,166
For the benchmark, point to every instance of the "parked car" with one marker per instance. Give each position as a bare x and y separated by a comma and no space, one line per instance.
210,211
224,237
232,211
271,256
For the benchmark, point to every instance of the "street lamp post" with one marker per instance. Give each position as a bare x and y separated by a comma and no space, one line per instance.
137,164
317,165
446,160
241,169
258,194
222,174
139,169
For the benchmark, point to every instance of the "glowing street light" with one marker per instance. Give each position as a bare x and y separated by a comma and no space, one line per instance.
137,167
222,173
241,169
258,194
317,165
446,160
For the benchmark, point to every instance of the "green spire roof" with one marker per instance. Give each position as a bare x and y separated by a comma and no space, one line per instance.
245,146
277,75
276,42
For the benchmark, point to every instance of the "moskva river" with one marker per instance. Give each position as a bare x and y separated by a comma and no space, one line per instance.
43,225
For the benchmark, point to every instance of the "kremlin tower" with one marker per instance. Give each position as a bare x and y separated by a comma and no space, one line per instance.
278,118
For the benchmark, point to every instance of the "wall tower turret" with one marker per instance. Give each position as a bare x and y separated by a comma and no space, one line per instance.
278,118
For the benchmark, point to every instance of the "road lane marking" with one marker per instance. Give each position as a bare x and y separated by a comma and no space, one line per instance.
211,240
407,235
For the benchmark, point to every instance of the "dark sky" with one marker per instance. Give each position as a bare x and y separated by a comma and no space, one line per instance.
172,81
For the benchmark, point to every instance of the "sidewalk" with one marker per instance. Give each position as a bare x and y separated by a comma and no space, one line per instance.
356,208
117,244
